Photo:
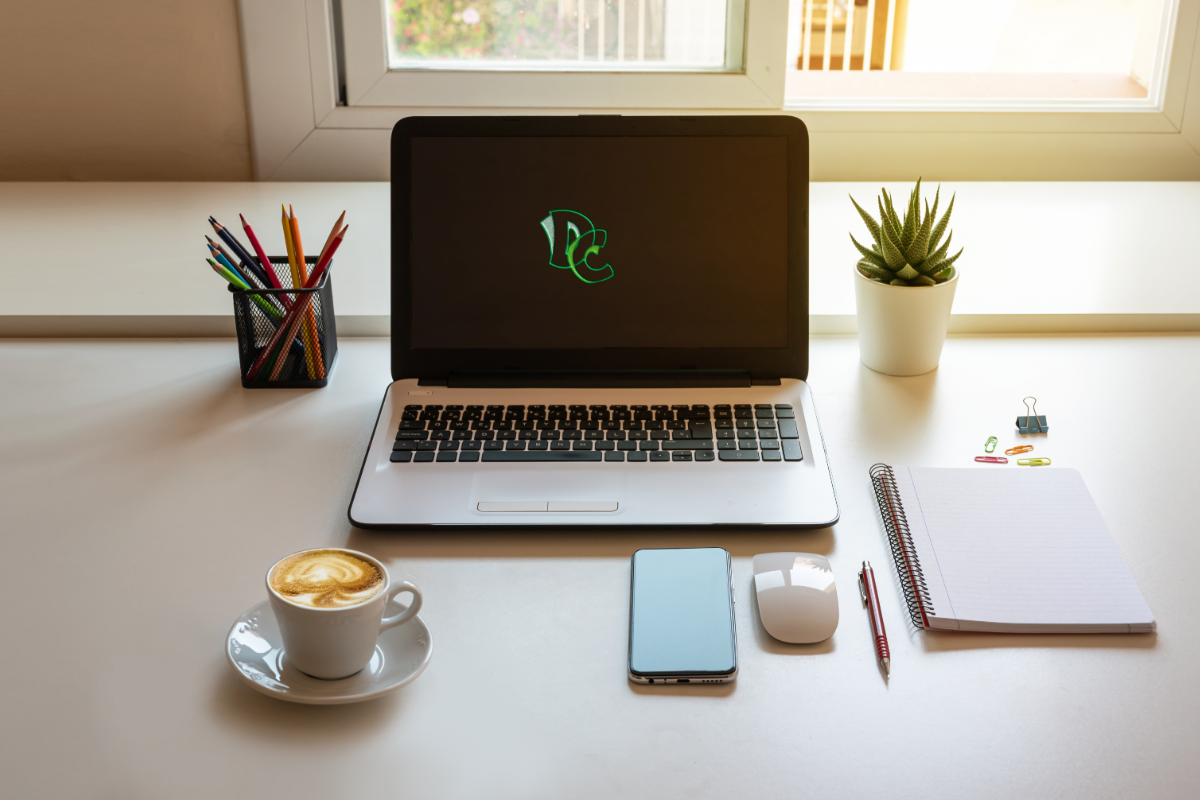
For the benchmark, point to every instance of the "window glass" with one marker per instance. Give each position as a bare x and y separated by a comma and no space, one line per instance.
1025,49
563,34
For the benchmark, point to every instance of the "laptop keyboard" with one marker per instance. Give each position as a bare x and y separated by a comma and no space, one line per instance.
610,433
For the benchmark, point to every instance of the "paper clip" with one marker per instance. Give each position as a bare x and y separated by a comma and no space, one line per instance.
1031,422
1021,448
992,459
990,445
1033,462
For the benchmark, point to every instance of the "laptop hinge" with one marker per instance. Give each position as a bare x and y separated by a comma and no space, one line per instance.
616,379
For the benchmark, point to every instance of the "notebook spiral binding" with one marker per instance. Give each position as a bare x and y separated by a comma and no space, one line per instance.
912,579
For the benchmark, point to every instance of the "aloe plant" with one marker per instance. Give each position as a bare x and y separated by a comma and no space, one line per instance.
906,253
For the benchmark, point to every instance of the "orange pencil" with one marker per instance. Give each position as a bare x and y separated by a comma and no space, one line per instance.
316,364
336,227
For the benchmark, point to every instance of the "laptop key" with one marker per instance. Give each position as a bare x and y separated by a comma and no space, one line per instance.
627,445
493,444
792,451
401,457
470,446
424,446
647,445
747,444
681,455
412,435
447,456
771,455
689,444
614,455
726,444
581,445
705,455
636,456
443,446
472,456
412,425
539,445
514,445
768,444
738,455
542,455
746,434
560,445
787,429
606,445
659,455
404,445
423,457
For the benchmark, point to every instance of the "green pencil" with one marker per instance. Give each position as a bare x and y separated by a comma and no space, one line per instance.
238,283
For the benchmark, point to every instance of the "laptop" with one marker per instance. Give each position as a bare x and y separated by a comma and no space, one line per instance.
598,320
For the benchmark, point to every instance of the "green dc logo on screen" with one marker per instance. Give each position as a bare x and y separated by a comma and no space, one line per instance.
573,240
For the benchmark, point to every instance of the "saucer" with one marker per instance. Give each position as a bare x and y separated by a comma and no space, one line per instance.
255,650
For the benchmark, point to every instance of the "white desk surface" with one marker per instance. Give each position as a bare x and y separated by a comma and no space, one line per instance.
132,540
128,258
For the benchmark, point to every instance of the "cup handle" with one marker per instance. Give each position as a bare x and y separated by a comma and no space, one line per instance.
408,613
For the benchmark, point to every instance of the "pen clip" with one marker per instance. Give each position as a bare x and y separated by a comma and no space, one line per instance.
862,589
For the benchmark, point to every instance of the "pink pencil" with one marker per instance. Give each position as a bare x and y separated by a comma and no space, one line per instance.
263,259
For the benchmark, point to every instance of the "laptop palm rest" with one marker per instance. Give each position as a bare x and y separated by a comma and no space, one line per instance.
514,489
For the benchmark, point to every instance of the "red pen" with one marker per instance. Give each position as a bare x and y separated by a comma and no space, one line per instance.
870,596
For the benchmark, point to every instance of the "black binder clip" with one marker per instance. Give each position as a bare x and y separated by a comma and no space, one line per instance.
1031,422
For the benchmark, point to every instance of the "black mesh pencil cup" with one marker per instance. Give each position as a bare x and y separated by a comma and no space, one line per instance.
287,338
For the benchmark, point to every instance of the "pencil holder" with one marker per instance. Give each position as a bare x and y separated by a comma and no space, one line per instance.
287,338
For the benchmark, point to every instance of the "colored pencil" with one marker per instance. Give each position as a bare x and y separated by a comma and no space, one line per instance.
290,244
264,260
271,311
337,226
290,322
220,256
234,280
239,251
316,364
323,264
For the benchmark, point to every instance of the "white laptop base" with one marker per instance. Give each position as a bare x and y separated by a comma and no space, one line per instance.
793,493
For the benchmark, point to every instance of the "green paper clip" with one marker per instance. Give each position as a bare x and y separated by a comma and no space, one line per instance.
990,445
1033,462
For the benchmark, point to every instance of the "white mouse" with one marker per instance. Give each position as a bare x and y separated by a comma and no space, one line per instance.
797,598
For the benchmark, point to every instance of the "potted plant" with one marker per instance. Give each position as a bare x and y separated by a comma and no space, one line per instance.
904,286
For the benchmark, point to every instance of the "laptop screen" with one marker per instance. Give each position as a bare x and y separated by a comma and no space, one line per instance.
599,242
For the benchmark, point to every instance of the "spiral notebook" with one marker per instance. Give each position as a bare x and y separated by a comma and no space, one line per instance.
1013,551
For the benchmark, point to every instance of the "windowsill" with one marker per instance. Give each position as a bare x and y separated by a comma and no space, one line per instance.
805,85
127,259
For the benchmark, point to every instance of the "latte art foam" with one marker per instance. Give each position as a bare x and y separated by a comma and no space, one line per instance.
326,579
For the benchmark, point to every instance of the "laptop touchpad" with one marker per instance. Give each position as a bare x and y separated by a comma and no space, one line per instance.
562,490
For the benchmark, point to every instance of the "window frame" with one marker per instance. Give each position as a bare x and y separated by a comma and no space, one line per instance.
299,131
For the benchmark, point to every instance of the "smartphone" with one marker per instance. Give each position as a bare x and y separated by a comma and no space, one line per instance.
681,623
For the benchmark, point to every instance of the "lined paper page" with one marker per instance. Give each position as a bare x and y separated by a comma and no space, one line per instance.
1018,549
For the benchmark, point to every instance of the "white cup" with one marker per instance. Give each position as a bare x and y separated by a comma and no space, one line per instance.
333,643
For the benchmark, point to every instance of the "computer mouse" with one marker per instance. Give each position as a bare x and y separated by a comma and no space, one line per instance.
797,598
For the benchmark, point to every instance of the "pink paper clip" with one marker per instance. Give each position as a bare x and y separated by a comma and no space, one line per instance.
992,459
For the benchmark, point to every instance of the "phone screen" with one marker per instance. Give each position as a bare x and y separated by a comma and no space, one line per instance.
681,613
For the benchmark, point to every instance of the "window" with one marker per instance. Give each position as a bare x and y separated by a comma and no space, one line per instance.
688,35
948,89
969,53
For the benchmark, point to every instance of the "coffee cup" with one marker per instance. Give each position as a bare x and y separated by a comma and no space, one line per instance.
329,605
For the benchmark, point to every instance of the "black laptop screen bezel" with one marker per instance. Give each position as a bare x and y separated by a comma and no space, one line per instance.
436,365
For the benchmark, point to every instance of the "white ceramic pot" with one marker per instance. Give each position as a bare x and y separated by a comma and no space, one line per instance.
901,329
